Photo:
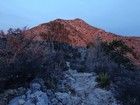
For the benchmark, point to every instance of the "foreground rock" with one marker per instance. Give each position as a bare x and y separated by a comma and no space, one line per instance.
33,96
75,89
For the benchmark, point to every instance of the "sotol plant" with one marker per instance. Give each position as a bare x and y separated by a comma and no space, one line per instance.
103,79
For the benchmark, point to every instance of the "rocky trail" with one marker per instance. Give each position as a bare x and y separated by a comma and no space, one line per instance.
85,87
76,89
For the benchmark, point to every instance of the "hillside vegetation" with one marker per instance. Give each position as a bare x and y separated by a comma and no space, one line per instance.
23,59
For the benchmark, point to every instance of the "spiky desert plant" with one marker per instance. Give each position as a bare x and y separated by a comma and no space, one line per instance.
103,79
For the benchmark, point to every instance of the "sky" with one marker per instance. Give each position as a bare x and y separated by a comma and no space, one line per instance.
121,17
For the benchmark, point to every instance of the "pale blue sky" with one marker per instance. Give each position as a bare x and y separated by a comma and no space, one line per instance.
117,16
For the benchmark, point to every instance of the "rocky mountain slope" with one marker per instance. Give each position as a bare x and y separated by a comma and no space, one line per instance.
79,33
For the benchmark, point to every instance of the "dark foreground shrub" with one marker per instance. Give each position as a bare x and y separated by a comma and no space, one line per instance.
53,67
20,59
103,79
127,89
110,58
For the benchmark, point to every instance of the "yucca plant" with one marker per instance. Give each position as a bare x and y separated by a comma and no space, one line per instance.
103,79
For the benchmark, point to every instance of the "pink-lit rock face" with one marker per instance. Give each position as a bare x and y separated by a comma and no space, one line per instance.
79,33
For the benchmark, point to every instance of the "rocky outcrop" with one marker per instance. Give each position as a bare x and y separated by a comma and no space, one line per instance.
75,89
83,88
33,96
8,94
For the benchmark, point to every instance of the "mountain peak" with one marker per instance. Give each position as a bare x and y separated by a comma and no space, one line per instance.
78,19
70,20
75,32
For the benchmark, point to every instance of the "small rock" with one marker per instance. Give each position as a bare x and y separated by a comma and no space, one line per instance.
23,96
63,97
59,103
10,92
21,102
21,90
50,93
14,101
41,102
35,87
54,101
41,82
80,92
38,93
75,101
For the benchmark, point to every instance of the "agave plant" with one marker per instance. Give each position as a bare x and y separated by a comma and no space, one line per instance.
103,79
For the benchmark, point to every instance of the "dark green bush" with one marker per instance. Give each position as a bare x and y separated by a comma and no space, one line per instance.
127,87
20,59
117,51
125,78
23,61
103,79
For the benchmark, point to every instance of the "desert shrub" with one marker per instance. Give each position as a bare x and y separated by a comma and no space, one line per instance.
102,53
71,54
53,69
2,33
117,51
106,66
91,44
94,54
103,79
125,76
20,59
110,59
127,88
46,36
58,54
135,55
